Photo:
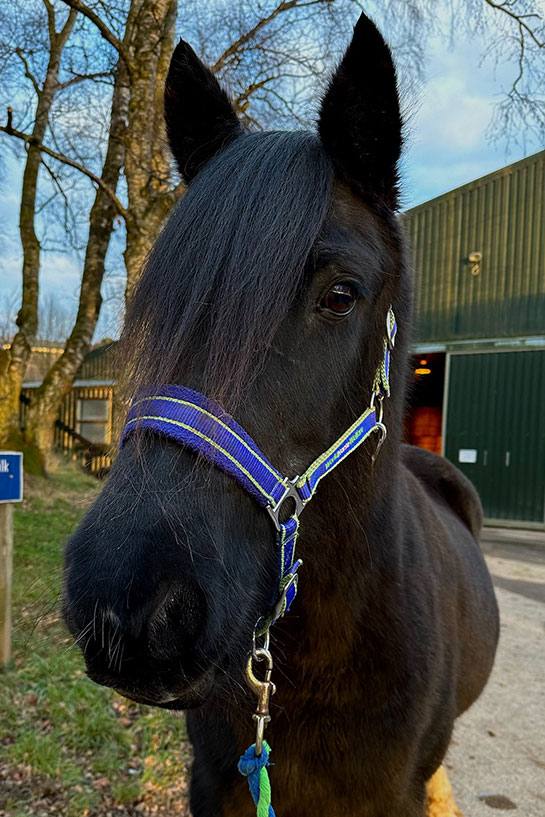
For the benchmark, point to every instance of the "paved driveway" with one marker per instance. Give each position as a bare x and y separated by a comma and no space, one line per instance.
497,758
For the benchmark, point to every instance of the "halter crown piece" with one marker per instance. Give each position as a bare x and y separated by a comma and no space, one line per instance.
200,424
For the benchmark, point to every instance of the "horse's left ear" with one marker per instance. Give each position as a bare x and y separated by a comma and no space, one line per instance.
199,116
360,121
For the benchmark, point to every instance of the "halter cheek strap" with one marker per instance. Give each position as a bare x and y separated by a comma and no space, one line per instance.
201,425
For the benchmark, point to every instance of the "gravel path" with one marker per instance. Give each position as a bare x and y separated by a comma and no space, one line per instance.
497,757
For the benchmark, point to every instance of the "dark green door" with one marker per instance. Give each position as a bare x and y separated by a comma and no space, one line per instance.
495,430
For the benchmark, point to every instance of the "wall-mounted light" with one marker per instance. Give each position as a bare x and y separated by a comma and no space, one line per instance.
475,258
422,371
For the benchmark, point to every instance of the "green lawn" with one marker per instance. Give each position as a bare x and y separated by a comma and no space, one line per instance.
67,746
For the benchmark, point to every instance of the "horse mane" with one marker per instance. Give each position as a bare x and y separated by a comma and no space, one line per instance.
228,264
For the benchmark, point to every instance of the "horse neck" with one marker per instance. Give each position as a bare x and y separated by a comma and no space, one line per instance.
351,551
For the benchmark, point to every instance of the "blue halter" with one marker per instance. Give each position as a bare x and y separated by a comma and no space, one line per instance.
199,423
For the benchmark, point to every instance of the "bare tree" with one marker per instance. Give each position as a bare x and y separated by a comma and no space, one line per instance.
59,377
521,43
14,360
266,52
58,380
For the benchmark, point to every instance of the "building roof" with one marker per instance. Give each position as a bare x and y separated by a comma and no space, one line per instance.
77,384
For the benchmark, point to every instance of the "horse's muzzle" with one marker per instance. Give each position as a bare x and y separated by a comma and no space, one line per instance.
151,654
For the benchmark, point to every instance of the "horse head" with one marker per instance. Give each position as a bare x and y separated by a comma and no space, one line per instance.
267,291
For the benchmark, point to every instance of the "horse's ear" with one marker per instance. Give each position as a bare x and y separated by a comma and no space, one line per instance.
199,116
360,121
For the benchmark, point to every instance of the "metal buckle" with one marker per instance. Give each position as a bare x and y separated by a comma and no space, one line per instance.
277,610
290,492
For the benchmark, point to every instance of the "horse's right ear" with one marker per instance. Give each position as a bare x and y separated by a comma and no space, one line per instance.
199,116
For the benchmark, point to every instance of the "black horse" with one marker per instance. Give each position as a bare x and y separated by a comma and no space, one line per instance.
268,291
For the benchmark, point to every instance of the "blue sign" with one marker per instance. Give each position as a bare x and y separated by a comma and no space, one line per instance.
11,476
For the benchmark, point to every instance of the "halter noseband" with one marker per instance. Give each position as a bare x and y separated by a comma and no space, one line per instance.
200,424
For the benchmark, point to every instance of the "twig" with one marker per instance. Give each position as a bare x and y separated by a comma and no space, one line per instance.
285,5
29,140
104,30
519,19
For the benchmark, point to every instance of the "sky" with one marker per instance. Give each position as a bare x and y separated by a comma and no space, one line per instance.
445,147
446,142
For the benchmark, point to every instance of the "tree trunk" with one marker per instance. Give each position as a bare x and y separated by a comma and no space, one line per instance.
13,361
149,39
57,383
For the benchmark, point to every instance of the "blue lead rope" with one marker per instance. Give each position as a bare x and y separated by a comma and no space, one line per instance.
255,769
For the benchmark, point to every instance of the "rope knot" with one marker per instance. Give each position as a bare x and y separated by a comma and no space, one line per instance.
255,769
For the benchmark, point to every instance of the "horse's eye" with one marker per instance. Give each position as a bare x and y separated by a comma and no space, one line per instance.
340,300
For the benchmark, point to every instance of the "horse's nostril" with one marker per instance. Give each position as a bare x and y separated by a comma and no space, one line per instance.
176,624
112,618
149,629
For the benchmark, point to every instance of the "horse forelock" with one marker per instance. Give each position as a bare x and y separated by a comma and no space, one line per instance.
229,263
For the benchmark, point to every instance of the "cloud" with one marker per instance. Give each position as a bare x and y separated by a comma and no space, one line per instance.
59,274
447,144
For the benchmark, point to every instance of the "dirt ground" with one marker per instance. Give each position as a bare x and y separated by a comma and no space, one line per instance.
497,757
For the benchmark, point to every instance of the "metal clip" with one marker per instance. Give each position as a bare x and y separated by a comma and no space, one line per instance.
390,323
263,690
290,492
383,433
266,636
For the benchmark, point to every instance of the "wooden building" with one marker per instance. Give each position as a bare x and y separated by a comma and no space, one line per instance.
84,428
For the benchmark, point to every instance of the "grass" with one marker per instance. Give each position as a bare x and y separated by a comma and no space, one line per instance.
68,747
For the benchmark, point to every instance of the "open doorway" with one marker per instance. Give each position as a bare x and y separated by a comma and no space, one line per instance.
424,416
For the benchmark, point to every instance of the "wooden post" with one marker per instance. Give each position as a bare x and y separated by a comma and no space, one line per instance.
6,573
11,490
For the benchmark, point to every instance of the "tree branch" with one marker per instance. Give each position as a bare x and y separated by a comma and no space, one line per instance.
104,30
58,41
521,59
519,18
241,102
50,19
67,209
29,140
81,78
285,5
28,73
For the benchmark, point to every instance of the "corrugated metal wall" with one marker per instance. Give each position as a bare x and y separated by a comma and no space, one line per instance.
503,217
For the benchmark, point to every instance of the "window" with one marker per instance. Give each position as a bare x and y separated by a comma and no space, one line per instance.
93,416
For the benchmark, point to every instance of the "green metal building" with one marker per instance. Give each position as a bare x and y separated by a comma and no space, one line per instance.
479,345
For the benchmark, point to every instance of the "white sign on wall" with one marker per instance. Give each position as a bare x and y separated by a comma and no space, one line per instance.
467,455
